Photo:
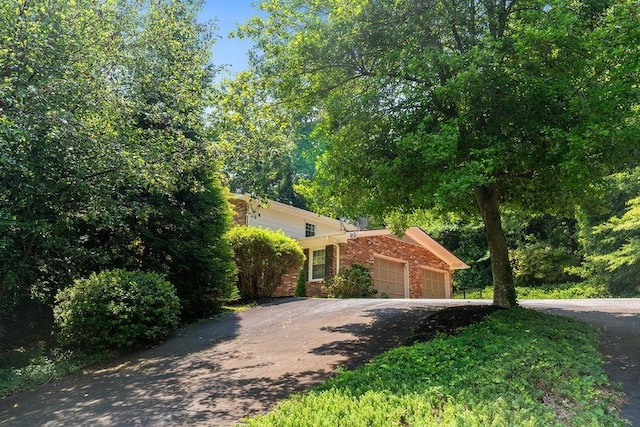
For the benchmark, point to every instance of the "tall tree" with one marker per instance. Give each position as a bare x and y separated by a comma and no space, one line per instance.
457,105
105,160
266,148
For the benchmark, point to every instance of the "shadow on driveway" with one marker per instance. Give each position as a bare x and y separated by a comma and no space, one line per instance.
219,371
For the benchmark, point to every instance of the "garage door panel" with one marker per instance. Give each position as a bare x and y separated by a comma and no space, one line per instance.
389,277
434,284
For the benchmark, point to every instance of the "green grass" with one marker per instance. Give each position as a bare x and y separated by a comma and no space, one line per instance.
520,368
559,291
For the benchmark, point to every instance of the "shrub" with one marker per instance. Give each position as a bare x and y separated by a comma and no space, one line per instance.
353,282
116,309
262,257
301,284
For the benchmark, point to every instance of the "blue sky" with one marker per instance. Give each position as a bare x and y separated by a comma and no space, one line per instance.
229,13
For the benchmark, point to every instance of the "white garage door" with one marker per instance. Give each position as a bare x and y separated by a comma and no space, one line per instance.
389,277
433,284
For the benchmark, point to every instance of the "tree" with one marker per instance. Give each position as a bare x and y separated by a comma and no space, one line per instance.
609,230
106,161
267,150
456,105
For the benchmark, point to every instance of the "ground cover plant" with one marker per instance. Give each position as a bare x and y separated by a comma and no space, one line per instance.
520,367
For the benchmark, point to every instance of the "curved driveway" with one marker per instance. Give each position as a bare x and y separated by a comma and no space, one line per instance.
219,371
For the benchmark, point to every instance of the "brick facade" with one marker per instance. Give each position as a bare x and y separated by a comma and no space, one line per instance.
240,210
362,250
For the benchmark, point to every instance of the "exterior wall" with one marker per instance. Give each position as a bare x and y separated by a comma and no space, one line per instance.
290,280
240,209
290,223
363,249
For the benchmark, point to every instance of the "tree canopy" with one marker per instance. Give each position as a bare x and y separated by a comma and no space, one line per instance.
457,105
104,152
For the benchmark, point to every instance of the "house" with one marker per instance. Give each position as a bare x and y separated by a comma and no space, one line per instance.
411,266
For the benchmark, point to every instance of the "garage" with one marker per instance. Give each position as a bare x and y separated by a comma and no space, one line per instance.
390,278
434,284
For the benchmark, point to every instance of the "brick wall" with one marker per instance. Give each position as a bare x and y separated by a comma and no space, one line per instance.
240,209
290,280
362,250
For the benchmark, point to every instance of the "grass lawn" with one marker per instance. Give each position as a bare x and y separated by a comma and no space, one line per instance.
519,368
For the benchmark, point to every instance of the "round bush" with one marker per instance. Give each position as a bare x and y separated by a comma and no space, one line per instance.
263,257
353,282
116,309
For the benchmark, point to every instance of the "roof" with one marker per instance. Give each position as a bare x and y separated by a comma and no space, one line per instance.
421,238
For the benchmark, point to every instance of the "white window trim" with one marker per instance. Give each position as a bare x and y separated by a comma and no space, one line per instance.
311,251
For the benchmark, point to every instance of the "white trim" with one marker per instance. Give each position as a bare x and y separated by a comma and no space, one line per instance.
422,239
323,239
311,251
436,248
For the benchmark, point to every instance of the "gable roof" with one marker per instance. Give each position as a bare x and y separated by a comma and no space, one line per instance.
421,238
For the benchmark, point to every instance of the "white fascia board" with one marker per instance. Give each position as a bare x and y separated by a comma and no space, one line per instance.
323,240
420,236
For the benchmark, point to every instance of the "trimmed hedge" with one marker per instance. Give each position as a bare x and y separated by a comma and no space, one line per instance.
117,310
263,257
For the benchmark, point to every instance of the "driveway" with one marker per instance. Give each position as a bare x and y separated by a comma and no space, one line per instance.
219,371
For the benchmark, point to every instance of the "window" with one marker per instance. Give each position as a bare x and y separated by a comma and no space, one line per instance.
309,230
318,262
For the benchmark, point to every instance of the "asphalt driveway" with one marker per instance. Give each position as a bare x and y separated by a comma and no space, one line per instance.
220,371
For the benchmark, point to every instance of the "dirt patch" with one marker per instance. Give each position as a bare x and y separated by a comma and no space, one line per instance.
451,321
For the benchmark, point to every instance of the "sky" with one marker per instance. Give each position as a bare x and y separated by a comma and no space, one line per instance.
228,14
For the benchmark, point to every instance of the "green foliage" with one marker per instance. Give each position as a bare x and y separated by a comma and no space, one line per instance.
105,155
116,310
301,284
544,248
521,367
25,369
352,282
609,230
479,105
266,149
181,235
263,257
569,290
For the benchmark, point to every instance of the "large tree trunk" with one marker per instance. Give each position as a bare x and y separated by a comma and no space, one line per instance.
504,292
